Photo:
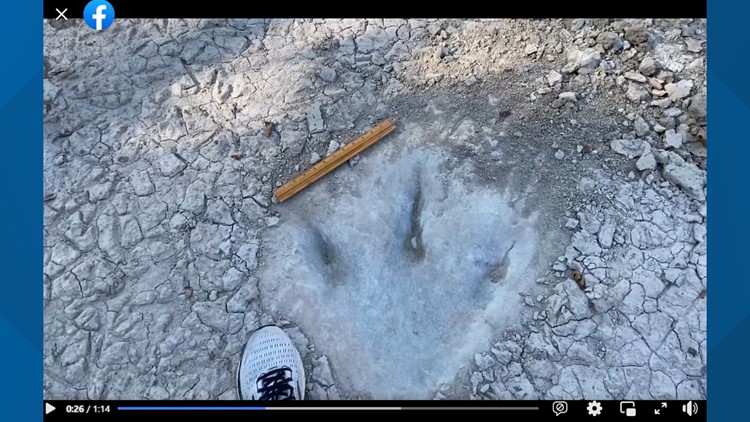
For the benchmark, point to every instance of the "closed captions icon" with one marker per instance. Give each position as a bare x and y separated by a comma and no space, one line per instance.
560,407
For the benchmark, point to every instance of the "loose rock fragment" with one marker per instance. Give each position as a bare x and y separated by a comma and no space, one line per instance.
630,148
293,141
170,165
648,66
679,90
567,96
697,108
333,146
673,139
582,61
693,45
634,76
636,93
610,41
646,162
327,74
688,177
636,35
606,234
641,127
314,119
554,78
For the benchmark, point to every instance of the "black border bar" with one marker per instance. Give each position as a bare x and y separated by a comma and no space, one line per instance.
572,410
220,9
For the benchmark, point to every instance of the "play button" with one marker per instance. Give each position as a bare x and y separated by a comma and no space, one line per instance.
48,408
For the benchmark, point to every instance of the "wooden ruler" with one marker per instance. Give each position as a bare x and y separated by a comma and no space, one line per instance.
328,164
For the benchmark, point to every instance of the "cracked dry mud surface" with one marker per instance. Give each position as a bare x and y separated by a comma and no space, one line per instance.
534,228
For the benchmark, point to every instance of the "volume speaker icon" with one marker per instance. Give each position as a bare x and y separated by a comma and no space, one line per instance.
691,408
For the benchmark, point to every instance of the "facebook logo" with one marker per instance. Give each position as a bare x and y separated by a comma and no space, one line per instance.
99,14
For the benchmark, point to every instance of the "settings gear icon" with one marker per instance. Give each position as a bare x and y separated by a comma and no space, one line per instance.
594,408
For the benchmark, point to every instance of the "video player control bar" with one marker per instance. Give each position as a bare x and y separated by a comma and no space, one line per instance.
559,410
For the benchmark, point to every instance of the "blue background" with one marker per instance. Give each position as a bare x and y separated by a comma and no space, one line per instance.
728,139
21,211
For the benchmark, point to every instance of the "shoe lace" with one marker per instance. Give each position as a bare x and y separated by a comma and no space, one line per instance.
277,385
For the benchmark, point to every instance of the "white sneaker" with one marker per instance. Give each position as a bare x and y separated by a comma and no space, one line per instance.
270,367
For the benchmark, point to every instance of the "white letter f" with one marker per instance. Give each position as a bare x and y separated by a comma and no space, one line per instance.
99,16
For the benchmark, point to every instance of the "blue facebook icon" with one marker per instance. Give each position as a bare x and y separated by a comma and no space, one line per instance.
99,14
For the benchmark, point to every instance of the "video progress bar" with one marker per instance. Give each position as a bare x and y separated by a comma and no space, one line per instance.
188,408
